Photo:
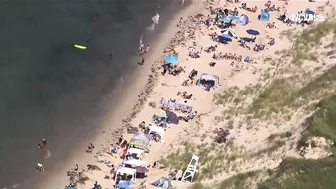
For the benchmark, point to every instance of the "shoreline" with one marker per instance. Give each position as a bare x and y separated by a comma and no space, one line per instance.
194,137
142,88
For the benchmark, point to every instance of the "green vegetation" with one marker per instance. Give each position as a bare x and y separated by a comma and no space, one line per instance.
310,174
238,181
285,93
213,159
309,39
322,122
303,174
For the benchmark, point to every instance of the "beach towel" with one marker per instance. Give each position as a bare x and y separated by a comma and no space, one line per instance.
176,106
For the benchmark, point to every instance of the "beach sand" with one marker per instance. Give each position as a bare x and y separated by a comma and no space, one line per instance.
147,86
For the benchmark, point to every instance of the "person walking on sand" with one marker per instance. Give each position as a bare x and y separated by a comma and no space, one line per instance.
147,49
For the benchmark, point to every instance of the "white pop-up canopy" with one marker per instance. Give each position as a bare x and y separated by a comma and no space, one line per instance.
136,163
136,151
128,171
159,130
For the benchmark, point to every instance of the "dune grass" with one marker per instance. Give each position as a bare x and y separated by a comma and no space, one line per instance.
238,181
303,174
322,122
287,93
311,38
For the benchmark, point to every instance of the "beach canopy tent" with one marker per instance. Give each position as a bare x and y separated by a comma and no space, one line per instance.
209,77
229,32
163,182
172,118
127,171
155,129
135,162
141,141
171,59
233,17
224,19
243,20
136,151
264,15
125,185
141,169
226,37
208,81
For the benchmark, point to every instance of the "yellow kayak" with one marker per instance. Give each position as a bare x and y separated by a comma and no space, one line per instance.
80,47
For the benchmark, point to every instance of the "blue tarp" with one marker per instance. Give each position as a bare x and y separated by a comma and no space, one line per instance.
125,185
243,20
264,16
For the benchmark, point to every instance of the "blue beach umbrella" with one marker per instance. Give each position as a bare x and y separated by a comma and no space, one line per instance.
252,32
71,187
227,36
171,59
225,20
234,17
310,12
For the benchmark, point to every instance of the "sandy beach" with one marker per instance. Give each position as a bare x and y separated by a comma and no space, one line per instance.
220,129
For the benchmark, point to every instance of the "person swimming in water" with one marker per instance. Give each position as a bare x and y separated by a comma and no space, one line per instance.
42,144
111,54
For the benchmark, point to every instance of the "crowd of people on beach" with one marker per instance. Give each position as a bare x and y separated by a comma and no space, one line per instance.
127,150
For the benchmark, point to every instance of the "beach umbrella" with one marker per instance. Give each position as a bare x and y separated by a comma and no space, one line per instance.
229,32
172,118
225,20
234,17
70,187
309,12
171,59
227,36
252,32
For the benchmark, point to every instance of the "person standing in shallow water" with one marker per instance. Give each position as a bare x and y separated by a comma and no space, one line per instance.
142,60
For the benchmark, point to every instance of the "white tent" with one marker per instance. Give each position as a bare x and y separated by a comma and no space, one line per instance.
136,163
136,151
128,171
159,130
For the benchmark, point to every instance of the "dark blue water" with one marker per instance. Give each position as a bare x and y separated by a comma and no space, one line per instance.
48,88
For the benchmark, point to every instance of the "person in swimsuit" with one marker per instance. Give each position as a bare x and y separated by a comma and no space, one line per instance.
44,143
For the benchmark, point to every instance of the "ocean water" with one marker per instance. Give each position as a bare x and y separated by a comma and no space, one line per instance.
48,88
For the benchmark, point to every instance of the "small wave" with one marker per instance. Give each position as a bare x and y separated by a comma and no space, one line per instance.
156,18
47,154
151,27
